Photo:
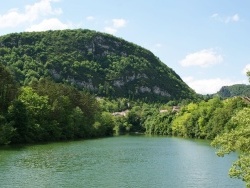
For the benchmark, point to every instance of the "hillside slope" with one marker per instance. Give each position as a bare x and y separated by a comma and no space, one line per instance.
234,90
93,61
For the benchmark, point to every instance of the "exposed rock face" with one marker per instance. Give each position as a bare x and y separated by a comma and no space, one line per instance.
144,89
141,89
118,83
158,91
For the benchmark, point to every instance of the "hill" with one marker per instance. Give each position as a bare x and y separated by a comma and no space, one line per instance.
100,63
234,90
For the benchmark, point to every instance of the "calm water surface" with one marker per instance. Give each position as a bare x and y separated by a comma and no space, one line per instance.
124,161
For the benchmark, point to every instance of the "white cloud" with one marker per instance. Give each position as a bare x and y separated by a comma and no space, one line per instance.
235,18
31,13
158,45
203,58
49,24
209,86
246,69
215,15
226,19
116,24
12,19
41,8
110,30
90,18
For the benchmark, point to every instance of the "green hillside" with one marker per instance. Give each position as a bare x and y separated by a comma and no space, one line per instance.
234,90
93,61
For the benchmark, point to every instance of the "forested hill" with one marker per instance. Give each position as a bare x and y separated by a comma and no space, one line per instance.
93,61
234,90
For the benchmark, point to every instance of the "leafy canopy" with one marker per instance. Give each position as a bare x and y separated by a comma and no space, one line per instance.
237,140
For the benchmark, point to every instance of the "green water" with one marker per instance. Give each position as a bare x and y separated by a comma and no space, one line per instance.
124,161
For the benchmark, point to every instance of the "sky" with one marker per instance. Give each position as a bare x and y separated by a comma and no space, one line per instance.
206,42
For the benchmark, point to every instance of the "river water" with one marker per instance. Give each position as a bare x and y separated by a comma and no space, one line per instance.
122,161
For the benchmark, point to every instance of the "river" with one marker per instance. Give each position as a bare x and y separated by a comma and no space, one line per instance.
117,162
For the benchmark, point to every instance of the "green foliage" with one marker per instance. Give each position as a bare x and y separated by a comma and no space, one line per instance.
114,105
8,88
159,123
237,139
234,90
48,111
137,117
104,125
18,118
95,62
6,131
204,119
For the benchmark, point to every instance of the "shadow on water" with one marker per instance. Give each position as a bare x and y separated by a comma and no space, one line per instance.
20,147
12,147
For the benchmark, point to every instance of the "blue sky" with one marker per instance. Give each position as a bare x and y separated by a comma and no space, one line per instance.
206,42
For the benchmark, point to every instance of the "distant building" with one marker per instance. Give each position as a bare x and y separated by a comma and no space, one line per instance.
163,111
123,113
176,109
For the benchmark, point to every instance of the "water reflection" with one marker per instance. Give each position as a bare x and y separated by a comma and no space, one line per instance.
126,161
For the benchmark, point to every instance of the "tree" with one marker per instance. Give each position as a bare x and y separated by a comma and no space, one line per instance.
105,124
135,118
18,116
79,124
6,131
8,88
30,114
179,124
237,139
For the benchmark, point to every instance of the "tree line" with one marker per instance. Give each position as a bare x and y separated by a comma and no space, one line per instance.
48,111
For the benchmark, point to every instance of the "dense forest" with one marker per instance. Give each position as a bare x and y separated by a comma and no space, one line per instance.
48,111
48,92
45,111
234,90
99,63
